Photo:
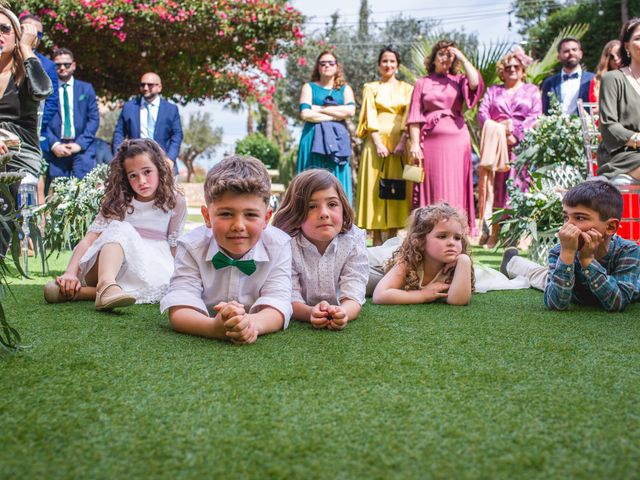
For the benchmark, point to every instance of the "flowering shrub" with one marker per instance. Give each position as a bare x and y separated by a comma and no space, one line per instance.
556,139
201,48
72,207
530,213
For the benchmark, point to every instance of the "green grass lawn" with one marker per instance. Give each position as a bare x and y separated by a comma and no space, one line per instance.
499,389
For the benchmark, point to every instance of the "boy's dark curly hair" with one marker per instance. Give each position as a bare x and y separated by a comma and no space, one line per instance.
118,194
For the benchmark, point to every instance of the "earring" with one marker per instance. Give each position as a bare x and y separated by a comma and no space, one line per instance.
628,54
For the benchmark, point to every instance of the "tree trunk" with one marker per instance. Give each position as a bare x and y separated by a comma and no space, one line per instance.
624,10
249,120
269,125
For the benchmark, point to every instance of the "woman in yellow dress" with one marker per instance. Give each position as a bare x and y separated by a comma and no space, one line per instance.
384,108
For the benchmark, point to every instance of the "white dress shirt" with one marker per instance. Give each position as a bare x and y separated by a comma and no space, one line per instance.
197,284
155,106
569,90
61,95
341,273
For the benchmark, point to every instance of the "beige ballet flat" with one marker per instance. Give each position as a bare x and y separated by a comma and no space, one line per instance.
118,299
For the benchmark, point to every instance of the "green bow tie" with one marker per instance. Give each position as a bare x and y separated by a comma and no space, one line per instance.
220,260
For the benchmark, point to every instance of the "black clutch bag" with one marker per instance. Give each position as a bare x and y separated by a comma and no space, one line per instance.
391,188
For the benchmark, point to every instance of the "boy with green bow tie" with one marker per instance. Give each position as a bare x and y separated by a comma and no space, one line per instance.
232,277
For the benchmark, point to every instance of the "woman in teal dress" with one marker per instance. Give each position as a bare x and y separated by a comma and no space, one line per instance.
326,81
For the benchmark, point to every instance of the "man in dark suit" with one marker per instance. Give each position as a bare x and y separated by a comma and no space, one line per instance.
571,83
149,116
72,130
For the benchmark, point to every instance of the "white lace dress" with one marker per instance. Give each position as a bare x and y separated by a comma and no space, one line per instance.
146,235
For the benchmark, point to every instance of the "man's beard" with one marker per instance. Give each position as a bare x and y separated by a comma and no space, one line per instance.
571,63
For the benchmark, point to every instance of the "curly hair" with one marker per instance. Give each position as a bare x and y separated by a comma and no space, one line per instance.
502,63
338,78
118,191
238,174
429,61
411,253
295,206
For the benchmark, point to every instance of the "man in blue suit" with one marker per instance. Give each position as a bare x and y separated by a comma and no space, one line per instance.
72,130
51,103
149,116
571,83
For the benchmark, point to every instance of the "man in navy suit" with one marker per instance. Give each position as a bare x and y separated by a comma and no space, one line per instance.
571,83
72,130
149,116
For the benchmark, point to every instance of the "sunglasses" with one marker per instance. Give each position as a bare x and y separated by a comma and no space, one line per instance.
63,65
327,63
512,67
5,28
150,85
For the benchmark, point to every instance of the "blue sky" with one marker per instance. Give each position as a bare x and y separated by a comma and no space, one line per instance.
488,19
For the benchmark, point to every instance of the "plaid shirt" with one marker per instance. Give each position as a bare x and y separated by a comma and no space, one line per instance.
611,282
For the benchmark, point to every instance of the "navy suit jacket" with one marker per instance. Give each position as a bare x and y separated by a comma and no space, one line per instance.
86,118
167,134
552,85
53,100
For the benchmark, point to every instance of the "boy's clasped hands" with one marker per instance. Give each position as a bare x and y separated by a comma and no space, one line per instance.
237,323
573,240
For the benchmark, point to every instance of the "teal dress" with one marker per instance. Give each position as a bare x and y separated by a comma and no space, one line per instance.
306,159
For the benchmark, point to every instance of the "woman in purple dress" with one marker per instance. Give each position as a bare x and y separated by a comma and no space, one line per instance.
516,105
439,136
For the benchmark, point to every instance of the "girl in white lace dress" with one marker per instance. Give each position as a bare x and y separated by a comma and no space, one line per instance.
126,256
329,266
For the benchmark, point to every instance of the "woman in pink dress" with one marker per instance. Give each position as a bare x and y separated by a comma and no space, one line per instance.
517,105
439,135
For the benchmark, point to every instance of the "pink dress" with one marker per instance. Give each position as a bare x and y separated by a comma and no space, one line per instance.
523,107
436,105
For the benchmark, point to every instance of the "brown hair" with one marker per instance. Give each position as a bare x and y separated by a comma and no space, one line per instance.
338,78
411,252
295,205
17,68
430,64
238,174
502,63
603,64
625,35
118,194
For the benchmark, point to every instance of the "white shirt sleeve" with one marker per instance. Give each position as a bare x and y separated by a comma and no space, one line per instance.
185,287
276,290
352,283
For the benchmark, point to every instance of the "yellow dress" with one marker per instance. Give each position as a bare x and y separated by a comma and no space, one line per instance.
384,110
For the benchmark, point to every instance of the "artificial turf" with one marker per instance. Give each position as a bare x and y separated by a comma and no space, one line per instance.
499,389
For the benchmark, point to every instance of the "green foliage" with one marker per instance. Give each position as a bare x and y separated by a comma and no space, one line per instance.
603,18
538,210
556,139
257,145
71,208
200,48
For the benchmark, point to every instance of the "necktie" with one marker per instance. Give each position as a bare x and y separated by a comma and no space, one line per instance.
220,260
66,133
566,76
151,123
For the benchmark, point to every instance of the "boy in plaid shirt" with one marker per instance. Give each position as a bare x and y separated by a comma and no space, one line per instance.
591,265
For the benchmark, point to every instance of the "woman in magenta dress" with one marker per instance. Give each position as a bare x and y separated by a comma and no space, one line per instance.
517,105
439,135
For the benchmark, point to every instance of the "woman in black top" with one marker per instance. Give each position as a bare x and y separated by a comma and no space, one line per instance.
23,84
